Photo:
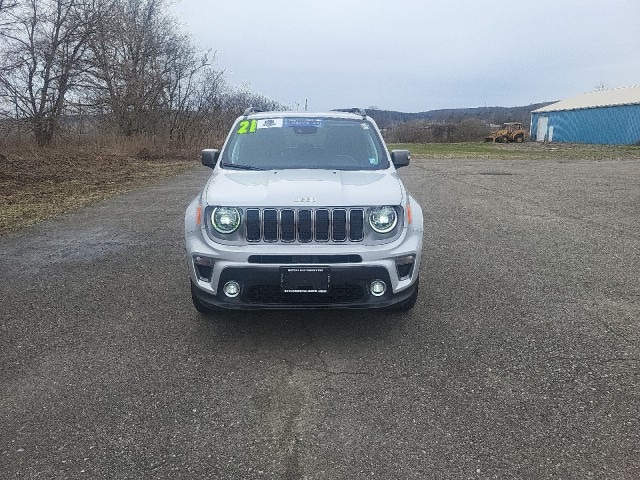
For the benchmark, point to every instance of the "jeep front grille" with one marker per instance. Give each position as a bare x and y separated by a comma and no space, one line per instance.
305,225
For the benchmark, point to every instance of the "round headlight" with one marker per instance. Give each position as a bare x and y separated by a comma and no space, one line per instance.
225,219
383,219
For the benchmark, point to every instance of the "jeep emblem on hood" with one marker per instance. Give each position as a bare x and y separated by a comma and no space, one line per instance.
305,200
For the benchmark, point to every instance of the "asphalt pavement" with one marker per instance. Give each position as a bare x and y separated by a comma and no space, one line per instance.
520,360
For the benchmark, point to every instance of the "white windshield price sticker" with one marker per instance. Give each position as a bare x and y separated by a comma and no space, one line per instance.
303,122
270,123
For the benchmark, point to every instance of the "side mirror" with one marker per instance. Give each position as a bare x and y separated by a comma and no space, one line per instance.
209,157
400,158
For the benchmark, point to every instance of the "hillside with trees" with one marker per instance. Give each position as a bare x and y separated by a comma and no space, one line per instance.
448,125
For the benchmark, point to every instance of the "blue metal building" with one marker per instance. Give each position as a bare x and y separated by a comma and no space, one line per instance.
607,117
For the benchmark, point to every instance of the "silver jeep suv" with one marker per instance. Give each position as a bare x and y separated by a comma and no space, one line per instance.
304,210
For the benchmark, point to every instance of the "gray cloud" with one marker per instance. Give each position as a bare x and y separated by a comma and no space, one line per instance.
414,56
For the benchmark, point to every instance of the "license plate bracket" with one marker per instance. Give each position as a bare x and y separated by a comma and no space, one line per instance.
305,279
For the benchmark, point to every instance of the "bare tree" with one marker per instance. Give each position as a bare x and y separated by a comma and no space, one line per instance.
6,6
194,102
470,130
139,63
7,20
152,78
124,58
44,52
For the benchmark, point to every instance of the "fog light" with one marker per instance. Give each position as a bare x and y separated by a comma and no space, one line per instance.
231,289
377,288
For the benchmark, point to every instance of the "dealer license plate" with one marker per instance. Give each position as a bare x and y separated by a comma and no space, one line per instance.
305,279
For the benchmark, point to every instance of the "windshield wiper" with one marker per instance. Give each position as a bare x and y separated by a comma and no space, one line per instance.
241,167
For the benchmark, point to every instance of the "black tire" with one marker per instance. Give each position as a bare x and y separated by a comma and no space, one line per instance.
520,139
198,305
410,302
505,139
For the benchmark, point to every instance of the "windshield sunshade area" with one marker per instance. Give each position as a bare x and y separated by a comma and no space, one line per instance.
300,143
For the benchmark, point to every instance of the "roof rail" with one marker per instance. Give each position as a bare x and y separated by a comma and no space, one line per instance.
251,110
358,111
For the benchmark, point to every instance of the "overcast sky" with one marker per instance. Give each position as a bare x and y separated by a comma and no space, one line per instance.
419,55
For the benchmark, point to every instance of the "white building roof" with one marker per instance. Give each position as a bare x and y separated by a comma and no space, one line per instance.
605,98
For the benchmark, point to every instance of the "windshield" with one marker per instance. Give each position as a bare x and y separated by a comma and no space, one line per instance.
295,142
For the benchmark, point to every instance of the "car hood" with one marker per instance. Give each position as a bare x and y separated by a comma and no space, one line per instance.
291,188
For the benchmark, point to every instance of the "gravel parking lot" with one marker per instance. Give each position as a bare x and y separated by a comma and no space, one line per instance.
521,358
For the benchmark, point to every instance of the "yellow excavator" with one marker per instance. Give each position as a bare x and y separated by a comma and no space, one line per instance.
510,132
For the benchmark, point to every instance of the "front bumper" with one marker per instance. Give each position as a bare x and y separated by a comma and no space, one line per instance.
257,269
260,288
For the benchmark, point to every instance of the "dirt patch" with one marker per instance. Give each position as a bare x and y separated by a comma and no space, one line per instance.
37,184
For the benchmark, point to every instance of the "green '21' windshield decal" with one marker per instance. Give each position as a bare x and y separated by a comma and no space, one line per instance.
247,126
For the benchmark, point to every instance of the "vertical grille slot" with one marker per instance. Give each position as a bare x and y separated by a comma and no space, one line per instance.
253,225
270,225
356,225
339,225
305,230
287,225
322,225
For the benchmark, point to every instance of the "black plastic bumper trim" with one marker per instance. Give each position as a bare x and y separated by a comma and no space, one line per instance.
269,278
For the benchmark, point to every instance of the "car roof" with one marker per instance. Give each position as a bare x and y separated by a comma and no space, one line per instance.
331,114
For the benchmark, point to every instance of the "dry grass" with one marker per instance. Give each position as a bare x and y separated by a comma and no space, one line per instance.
518,151
37,183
